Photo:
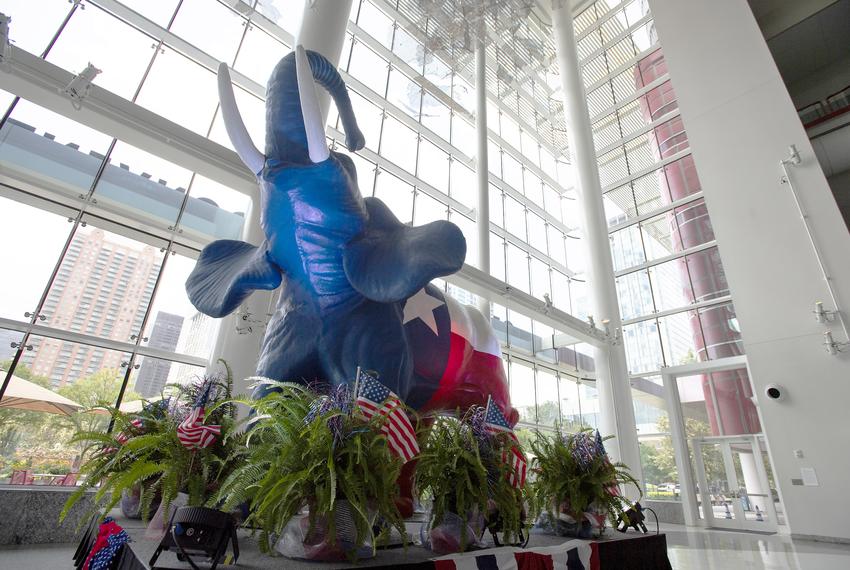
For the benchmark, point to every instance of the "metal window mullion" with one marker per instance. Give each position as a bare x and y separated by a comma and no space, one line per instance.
651,168
411,179
620,35
601,19
666,258
522,199
692,307
631,98
44,55
390,11
626,139
623,67
651,214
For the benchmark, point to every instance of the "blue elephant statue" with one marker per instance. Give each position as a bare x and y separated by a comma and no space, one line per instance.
355,280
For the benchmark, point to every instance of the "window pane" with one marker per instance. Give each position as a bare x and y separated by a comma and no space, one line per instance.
635,294
515,218
369,119
409,49
707,275
680,337
174,323
26,270
722,333
693,224
589,404
464,185
433,166
376,23
104,285
497,256
92,32
517,263
142,186
570,412
522,391
548,411
627,248
681,177
214,210
540,279
404,93
496,207
61,154
365,173
537,232
193,104
210,27
436,116
398,144
658,240
560,291
153,374
396,194
35,23
86,375
643,347
427,209
258,55
370,68
470,233
670,285
463,136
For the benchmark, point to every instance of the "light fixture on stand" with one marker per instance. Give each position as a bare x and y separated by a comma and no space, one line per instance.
5,42
79,87
823,315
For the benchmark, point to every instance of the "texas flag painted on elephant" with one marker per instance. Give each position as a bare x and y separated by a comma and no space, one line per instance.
457,358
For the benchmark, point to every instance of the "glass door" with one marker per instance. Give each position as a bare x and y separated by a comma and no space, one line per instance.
732,482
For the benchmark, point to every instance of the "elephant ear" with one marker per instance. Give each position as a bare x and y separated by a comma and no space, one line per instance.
391,261
226,273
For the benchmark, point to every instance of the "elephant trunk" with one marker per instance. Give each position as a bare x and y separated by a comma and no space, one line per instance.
294,133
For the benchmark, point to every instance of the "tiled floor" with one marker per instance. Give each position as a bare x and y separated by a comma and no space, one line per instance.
689,549
701,549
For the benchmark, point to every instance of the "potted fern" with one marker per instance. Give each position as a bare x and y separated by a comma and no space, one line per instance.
576,484
465,471
150,453
316,475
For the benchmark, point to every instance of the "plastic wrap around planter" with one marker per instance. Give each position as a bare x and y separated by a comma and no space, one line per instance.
297,541
446,537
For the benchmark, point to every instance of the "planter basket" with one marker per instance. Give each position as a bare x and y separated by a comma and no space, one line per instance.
297,541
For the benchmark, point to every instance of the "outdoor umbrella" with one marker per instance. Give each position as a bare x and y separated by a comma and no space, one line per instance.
25,395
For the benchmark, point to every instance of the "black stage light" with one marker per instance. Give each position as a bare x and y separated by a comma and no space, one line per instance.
199,531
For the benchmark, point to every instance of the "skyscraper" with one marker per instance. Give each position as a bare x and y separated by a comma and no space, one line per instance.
153,373
101,289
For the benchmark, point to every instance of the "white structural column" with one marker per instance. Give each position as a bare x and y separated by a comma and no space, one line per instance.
482,171
322,30
612,378
740,121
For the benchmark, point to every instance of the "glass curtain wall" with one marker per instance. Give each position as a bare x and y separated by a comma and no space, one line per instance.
104,234
673,294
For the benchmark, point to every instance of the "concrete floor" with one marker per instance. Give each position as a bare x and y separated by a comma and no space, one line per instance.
689,549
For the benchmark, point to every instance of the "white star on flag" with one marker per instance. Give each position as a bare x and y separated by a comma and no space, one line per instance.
421,306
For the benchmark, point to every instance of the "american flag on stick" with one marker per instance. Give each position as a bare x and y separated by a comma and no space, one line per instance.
192,432
495,423
122,437
375,398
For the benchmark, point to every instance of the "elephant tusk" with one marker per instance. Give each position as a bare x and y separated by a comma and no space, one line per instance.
236,130
317,146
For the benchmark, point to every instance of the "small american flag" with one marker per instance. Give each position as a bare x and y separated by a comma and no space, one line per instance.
122,437
375,398
495,422
192,432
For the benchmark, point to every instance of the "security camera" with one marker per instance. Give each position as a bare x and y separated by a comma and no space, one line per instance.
774,392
